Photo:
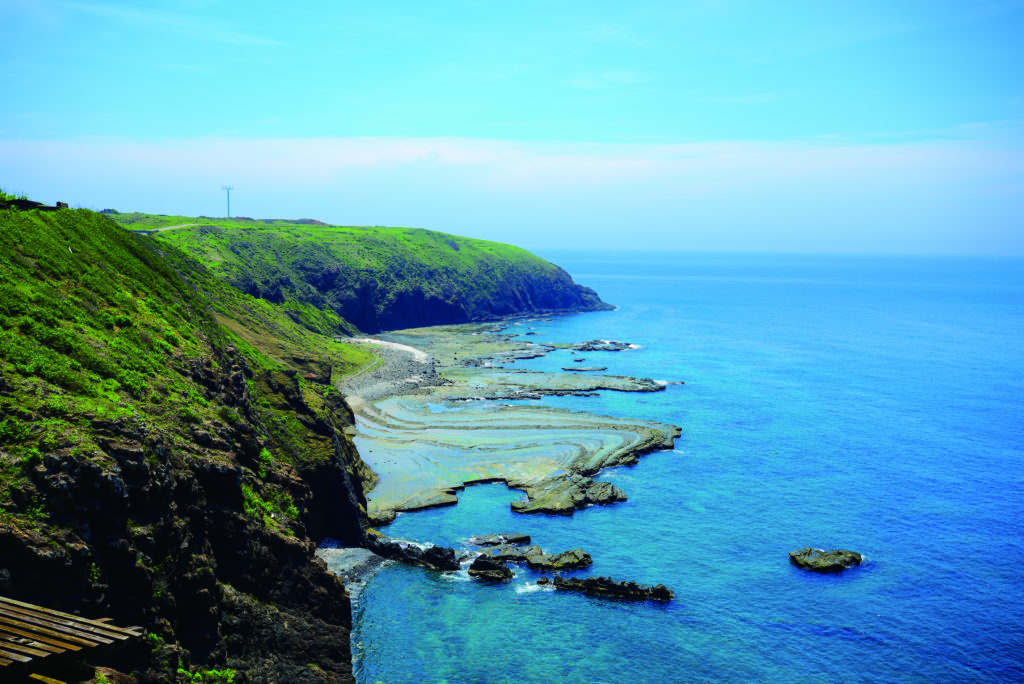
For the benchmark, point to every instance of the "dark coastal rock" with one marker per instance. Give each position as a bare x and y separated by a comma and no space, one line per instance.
489,570
819,560
499,539
601,345
513,554
564,494
434,557
609,588
567,560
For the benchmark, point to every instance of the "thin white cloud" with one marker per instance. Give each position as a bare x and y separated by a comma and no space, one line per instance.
938,196
176,23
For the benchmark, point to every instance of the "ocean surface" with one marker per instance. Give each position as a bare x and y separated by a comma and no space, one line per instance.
873,404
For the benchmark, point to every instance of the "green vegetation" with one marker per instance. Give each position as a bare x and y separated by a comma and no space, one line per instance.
372,277
205,676
99,324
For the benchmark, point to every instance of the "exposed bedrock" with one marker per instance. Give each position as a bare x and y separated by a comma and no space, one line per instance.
820,560
536,559
565,494
498,539
434,557
567,560
606,587
488,569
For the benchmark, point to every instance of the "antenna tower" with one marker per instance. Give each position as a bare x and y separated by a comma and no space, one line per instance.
228,189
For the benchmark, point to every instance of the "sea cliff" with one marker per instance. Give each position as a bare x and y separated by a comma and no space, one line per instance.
375,278
173,447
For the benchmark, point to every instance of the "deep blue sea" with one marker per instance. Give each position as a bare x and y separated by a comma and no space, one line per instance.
874,404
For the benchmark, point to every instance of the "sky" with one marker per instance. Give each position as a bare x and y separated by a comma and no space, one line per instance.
892,127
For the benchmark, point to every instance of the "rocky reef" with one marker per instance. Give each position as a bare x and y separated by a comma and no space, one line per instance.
430,556
606,587
820,560
567,493
489,569
499,539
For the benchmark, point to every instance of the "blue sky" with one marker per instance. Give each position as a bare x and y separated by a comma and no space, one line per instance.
869,127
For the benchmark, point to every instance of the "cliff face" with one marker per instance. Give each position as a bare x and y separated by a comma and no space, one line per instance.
383,278
156,470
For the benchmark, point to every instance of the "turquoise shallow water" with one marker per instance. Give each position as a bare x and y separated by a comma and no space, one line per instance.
872,404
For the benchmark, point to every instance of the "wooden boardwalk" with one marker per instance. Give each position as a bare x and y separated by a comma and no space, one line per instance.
37,644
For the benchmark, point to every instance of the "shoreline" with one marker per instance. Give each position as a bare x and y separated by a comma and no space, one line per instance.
441,412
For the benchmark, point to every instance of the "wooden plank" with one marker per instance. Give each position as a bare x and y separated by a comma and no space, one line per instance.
8,636
37,637
81,625
128,631
84,633
34,629
45,679
22,648
14,656
4,662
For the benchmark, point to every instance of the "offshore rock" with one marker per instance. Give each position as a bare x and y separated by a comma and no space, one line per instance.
601,345
567,560
606,587
513,554
487,569
435,557
499,539
819,560
564,494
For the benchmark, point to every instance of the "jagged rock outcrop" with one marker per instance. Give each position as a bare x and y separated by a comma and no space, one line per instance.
487,569
565,494
499,539
567,560
440,558
156,533
606,587
820,560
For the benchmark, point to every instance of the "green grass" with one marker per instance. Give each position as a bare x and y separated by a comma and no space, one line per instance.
361,272
97,323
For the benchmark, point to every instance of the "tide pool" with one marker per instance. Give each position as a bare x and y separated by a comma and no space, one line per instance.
869,404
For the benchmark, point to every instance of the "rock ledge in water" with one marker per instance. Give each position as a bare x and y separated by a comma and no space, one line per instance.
609,588
567,560
489,570
819,560
499,539
434,557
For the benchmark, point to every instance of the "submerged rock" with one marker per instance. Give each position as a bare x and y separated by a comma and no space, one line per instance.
499,539
567,560
819,560
488,569
607,587
564,494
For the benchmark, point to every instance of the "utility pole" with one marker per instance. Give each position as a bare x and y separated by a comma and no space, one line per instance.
228,188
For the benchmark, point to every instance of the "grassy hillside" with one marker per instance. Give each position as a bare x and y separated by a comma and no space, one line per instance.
376,278
167,443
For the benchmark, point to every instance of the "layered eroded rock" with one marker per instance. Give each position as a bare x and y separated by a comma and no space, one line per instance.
565,494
